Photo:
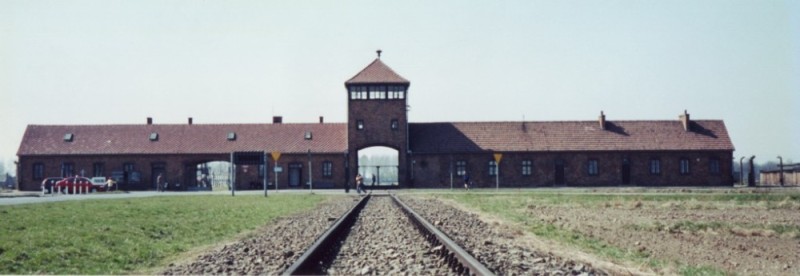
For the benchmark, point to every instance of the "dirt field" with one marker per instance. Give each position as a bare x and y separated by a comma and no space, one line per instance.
741,231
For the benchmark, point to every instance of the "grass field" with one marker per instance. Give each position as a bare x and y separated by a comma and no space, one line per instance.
128,235
611,225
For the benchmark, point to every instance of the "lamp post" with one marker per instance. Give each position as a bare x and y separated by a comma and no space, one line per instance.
780,167
741,171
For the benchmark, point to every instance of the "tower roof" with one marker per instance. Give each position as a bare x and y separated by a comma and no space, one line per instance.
377,72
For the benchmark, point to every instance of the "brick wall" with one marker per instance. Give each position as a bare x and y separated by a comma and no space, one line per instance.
433,170
179,168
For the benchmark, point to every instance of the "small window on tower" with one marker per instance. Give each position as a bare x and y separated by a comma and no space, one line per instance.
360,124
395,124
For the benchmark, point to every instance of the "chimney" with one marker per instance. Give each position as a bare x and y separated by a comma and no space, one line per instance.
190,120
321,119
149,120
685,120
277,119
602,120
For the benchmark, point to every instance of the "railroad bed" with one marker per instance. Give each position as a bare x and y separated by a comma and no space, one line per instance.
380,239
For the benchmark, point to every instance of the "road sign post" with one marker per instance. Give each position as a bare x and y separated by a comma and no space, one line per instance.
275,156
497,158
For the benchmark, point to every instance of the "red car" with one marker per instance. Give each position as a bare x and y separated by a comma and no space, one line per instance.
72,184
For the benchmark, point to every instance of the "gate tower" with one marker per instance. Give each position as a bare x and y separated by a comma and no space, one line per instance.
377,116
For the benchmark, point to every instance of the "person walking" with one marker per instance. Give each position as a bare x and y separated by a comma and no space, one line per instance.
373,182
466,181
359,183
110,184
159,182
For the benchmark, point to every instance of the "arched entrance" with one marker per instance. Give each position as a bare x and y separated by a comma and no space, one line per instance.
379,166
212,175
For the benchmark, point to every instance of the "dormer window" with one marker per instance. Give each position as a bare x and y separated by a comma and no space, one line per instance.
308,135
231,136
154,136
68,137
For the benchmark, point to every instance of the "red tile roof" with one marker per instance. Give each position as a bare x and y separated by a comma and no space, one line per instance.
567,136
332,138
377,72
182,139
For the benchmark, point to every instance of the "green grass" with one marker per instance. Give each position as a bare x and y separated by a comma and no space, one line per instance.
511,207
128,235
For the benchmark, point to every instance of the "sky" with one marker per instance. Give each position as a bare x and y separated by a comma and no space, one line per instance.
72,62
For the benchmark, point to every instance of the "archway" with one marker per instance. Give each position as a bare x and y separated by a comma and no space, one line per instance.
213,175
379,166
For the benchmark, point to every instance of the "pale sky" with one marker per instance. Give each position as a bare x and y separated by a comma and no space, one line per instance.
118,62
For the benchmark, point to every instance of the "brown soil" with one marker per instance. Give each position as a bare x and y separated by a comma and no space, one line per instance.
725,236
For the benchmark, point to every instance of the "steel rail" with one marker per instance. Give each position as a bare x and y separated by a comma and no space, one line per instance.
459,260
310,263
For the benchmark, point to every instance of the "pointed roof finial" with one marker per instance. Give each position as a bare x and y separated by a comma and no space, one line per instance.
379,53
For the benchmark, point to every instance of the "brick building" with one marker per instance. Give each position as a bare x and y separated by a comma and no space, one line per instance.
532,153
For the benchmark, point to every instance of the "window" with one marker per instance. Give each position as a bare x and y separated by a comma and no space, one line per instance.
377,92
713,165
492,168
308,135
396,92
98,169
154,136
38,171
395,124
231,136
592,167
68,137
685,166
358,93
327,169
461,168
527,167
360,124
67,169
128,167
655,166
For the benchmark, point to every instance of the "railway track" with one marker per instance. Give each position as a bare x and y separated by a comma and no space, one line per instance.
382,235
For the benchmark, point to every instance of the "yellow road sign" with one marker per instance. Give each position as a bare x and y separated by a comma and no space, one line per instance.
497,157
276,155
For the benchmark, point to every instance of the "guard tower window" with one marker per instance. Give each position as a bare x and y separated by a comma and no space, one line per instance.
395,124
396,92
360,124
377,92
358,93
